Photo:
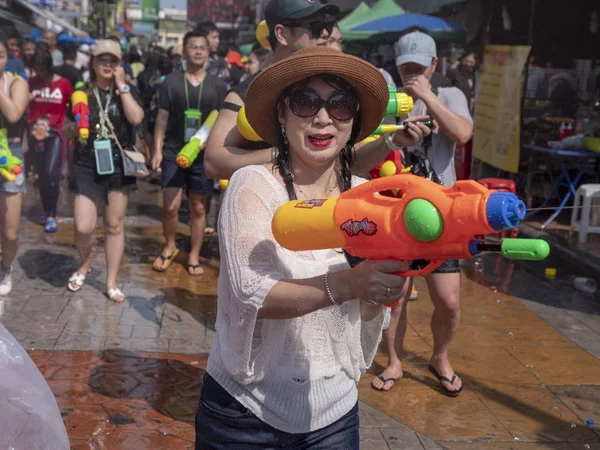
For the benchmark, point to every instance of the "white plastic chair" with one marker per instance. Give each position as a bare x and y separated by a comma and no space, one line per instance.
586,192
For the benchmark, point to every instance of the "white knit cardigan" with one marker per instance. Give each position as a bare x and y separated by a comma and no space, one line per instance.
297,375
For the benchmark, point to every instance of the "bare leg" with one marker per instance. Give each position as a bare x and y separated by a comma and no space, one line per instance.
393,338
85,214
444,289
10,218
114,231
171,205
198,221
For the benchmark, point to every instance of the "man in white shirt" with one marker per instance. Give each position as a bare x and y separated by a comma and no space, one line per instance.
57,56
416,59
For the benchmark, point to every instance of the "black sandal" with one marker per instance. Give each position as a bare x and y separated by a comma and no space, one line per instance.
385,380
441,378
164,259
194,267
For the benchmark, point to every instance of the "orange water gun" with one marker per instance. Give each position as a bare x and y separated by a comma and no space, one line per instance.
426,221
81,111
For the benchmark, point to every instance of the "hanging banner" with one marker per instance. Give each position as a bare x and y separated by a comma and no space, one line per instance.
498,107
221,11
149,11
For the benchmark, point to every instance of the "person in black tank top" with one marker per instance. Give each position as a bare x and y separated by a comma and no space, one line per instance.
14,98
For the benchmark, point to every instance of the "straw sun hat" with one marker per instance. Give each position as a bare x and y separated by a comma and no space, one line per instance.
264,92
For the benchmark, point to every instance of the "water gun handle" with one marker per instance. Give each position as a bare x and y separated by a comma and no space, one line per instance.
188,154
6,174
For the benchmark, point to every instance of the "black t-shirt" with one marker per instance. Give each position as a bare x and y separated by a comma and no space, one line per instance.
117,117
171,97
69,72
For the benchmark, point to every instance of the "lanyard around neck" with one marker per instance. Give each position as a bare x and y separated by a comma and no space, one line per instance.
103,112
187,100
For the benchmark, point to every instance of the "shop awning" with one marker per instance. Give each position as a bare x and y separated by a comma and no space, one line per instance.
53,18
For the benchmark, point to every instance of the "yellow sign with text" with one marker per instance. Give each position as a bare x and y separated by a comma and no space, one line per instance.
498,106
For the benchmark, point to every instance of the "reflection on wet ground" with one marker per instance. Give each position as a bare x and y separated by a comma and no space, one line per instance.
128,376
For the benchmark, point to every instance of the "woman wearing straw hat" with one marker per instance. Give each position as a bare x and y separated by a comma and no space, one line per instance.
295,330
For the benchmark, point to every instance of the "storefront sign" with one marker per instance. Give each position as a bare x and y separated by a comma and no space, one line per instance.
149,11
143,29
498,107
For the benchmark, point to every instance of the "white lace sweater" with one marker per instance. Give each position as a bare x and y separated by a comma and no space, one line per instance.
297,375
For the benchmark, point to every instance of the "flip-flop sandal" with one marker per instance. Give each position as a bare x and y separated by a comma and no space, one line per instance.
414,295
194,267
50,226
76,282
114,293
209,230
441,378
385,380
163,259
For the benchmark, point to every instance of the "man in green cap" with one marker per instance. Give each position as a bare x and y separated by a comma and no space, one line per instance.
293,25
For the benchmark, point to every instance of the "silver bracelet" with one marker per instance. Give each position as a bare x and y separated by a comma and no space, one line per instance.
328,289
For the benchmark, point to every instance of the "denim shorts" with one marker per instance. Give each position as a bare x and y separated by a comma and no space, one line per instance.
19,185
449,266
223,423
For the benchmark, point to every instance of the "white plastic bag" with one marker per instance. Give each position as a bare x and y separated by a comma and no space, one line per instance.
29,416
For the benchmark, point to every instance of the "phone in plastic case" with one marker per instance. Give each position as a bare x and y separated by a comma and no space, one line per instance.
104,158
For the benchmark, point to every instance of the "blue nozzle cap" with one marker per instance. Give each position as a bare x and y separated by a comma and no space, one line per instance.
3,159
504,210
473,247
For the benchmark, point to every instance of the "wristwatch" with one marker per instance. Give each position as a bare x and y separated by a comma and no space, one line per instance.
389,142
125,89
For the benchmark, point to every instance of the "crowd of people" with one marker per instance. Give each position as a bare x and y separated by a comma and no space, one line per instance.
295,330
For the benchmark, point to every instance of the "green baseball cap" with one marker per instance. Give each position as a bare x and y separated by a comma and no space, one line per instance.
277,11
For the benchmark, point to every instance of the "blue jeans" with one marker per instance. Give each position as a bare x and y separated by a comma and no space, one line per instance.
223,423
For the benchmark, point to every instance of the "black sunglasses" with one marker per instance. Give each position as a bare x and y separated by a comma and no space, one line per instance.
316,27
307,102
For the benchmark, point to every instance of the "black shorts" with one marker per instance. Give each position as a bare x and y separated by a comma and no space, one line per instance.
193,179
85,180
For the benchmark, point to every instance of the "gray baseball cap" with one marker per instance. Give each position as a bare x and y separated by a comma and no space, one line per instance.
415,47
